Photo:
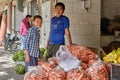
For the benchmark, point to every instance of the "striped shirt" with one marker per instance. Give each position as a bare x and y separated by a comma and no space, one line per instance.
32,42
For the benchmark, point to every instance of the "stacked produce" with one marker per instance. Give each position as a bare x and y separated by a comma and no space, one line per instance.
46,68
20,69
33,76
43,70
113,56
82,53
57,75
98,71
34,73
88,69
78,74
91,62
18,56
83,65
19,59
66,60
53,61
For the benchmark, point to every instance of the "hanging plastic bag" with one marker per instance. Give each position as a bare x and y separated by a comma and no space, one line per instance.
66,60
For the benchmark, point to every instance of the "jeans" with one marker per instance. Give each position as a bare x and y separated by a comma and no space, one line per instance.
33,62
22,39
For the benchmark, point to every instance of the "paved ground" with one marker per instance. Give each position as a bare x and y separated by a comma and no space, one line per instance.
7,66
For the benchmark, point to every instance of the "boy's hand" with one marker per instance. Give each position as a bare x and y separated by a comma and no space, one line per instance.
47,43
43,58
47,46
27,56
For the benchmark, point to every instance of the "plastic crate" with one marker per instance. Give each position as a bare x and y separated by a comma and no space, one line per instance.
115,71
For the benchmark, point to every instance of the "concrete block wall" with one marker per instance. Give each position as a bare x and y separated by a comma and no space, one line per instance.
52,8
18,15
46,23
84,26
110,8
18,18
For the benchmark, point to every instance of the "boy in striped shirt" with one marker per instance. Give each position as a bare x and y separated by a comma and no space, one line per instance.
31,47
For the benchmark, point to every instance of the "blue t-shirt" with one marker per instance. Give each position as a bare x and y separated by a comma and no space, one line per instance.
57,29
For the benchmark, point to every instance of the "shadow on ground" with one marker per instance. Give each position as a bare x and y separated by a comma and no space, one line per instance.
7,67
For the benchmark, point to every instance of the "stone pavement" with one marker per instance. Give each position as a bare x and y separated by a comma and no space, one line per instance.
7,66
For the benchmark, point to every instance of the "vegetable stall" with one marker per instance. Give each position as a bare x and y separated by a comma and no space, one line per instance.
71,63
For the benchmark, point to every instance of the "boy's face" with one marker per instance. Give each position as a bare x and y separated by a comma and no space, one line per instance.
37,22
58,11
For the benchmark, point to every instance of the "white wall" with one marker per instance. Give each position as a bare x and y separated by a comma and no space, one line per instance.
84,26
18,18
46,23
110,8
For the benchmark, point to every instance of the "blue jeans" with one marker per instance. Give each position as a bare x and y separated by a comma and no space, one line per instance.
22,39
33,62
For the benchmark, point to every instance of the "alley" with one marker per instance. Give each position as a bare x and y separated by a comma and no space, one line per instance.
7,66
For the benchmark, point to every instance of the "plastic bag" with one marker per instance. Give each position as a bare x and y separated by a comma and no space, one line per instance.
34,73
82,53
53,61
46,68
98,71
65,59
78,74
57,75
83,65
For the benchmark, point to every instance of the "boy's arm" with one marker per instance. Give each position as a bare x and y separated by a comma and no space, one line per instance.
27,56
26,51
27,39
48,42
68,35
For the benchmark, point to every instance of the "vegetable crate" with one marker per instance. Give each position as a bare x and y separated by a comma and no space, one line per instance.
115,72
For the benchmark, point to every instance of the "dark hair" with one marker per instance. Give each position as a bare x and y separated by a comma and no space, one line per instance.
60,4
28,16
37,16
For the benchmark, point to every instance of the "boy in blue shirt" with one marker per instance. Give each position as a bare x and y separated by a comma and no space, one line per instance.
58,28
31,47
